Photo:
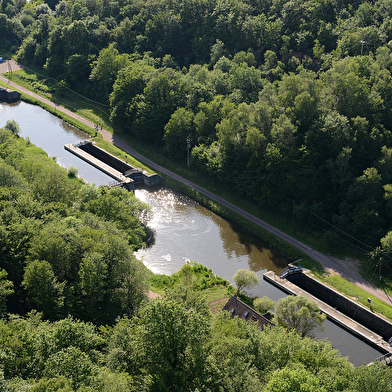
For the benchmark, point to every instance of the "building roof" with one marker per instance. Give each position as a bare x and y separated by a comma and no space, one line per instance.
238,308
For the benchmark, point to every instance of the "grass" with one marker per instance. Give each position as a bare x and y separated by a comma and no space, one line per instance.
212,287
356,294
216,298
111,149
48,88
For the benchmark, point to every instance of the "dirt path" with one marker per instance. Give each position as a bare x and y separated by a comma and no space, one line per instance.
217,305
342,267
152,295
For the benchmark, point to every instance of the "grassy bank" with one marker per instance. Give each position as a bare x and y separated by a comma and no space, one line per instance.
60,94
356,294
214,289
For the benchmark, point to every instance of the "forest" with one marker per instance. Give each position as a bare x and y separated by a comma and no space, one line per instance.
74,314
286,102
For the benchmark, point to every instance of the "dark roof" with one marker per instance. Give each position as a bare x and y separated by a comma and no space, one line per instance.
7,95
238,308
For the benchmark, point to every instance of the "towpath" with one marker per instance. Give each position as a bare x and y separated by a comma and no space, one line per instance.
329,263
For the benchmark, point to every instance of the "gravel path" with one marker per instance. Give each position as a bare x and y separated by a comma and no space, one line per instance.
330,264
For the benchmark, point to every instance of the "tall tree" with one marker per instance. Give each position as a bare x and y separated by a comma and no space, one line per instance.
43,291
245,279
299,313
106,68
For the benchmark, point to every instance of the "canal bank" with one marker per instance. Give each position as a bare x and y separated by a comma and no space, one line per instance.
184,229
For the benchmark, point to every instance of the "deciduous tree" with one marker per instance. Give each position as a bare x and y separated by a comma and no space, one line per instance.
263,304
245,279
43,291
299,313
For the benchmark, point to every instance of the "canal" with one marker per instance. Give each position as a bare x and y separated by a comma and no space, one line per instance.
184,230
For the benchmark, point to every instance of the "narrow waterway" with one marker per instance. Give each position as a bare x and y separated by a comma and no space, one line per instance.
184,230
51,134
189,231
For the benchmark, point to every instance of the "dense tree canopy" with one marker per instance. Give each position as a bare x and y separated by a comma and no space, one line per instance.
288,102
170,347
72,261
283,100
66,247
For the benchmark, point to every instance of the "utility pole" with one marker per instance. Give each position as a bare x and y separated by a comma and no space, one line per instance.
9,69
380,268
292,226
188,146
362,43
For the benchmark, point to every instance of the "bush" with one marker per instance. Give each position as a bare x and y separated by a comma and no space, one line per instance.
264,304
161,281
42,87
72,172
202,278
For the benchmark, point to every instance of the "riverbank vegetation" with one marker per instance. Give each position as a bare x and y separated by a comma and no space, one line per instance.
74,315
67,247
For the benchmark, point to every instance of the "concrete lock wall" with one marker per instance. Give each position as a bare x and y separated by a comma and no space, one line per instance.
103,156
151,179
349,308
140,177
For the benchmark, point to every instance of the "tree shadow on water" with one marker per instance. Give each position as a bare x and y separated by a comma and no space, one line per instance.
261,255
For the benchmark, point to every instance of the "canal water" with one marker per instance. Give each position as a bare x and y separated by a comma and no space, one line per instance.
184,230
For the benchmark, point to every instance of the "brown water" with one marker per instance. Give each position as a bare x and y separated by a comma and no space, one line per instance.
188,231
184,230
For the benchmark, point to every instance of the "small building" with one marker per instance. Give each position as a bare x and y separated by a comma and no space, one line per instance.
7,95
238,308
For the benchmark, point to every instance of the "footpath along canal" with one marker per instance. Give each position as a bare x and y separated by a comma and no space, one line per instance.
184,230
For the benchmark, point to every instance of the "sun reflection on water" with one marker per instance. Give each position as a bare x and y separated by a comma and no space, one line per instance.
184,230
